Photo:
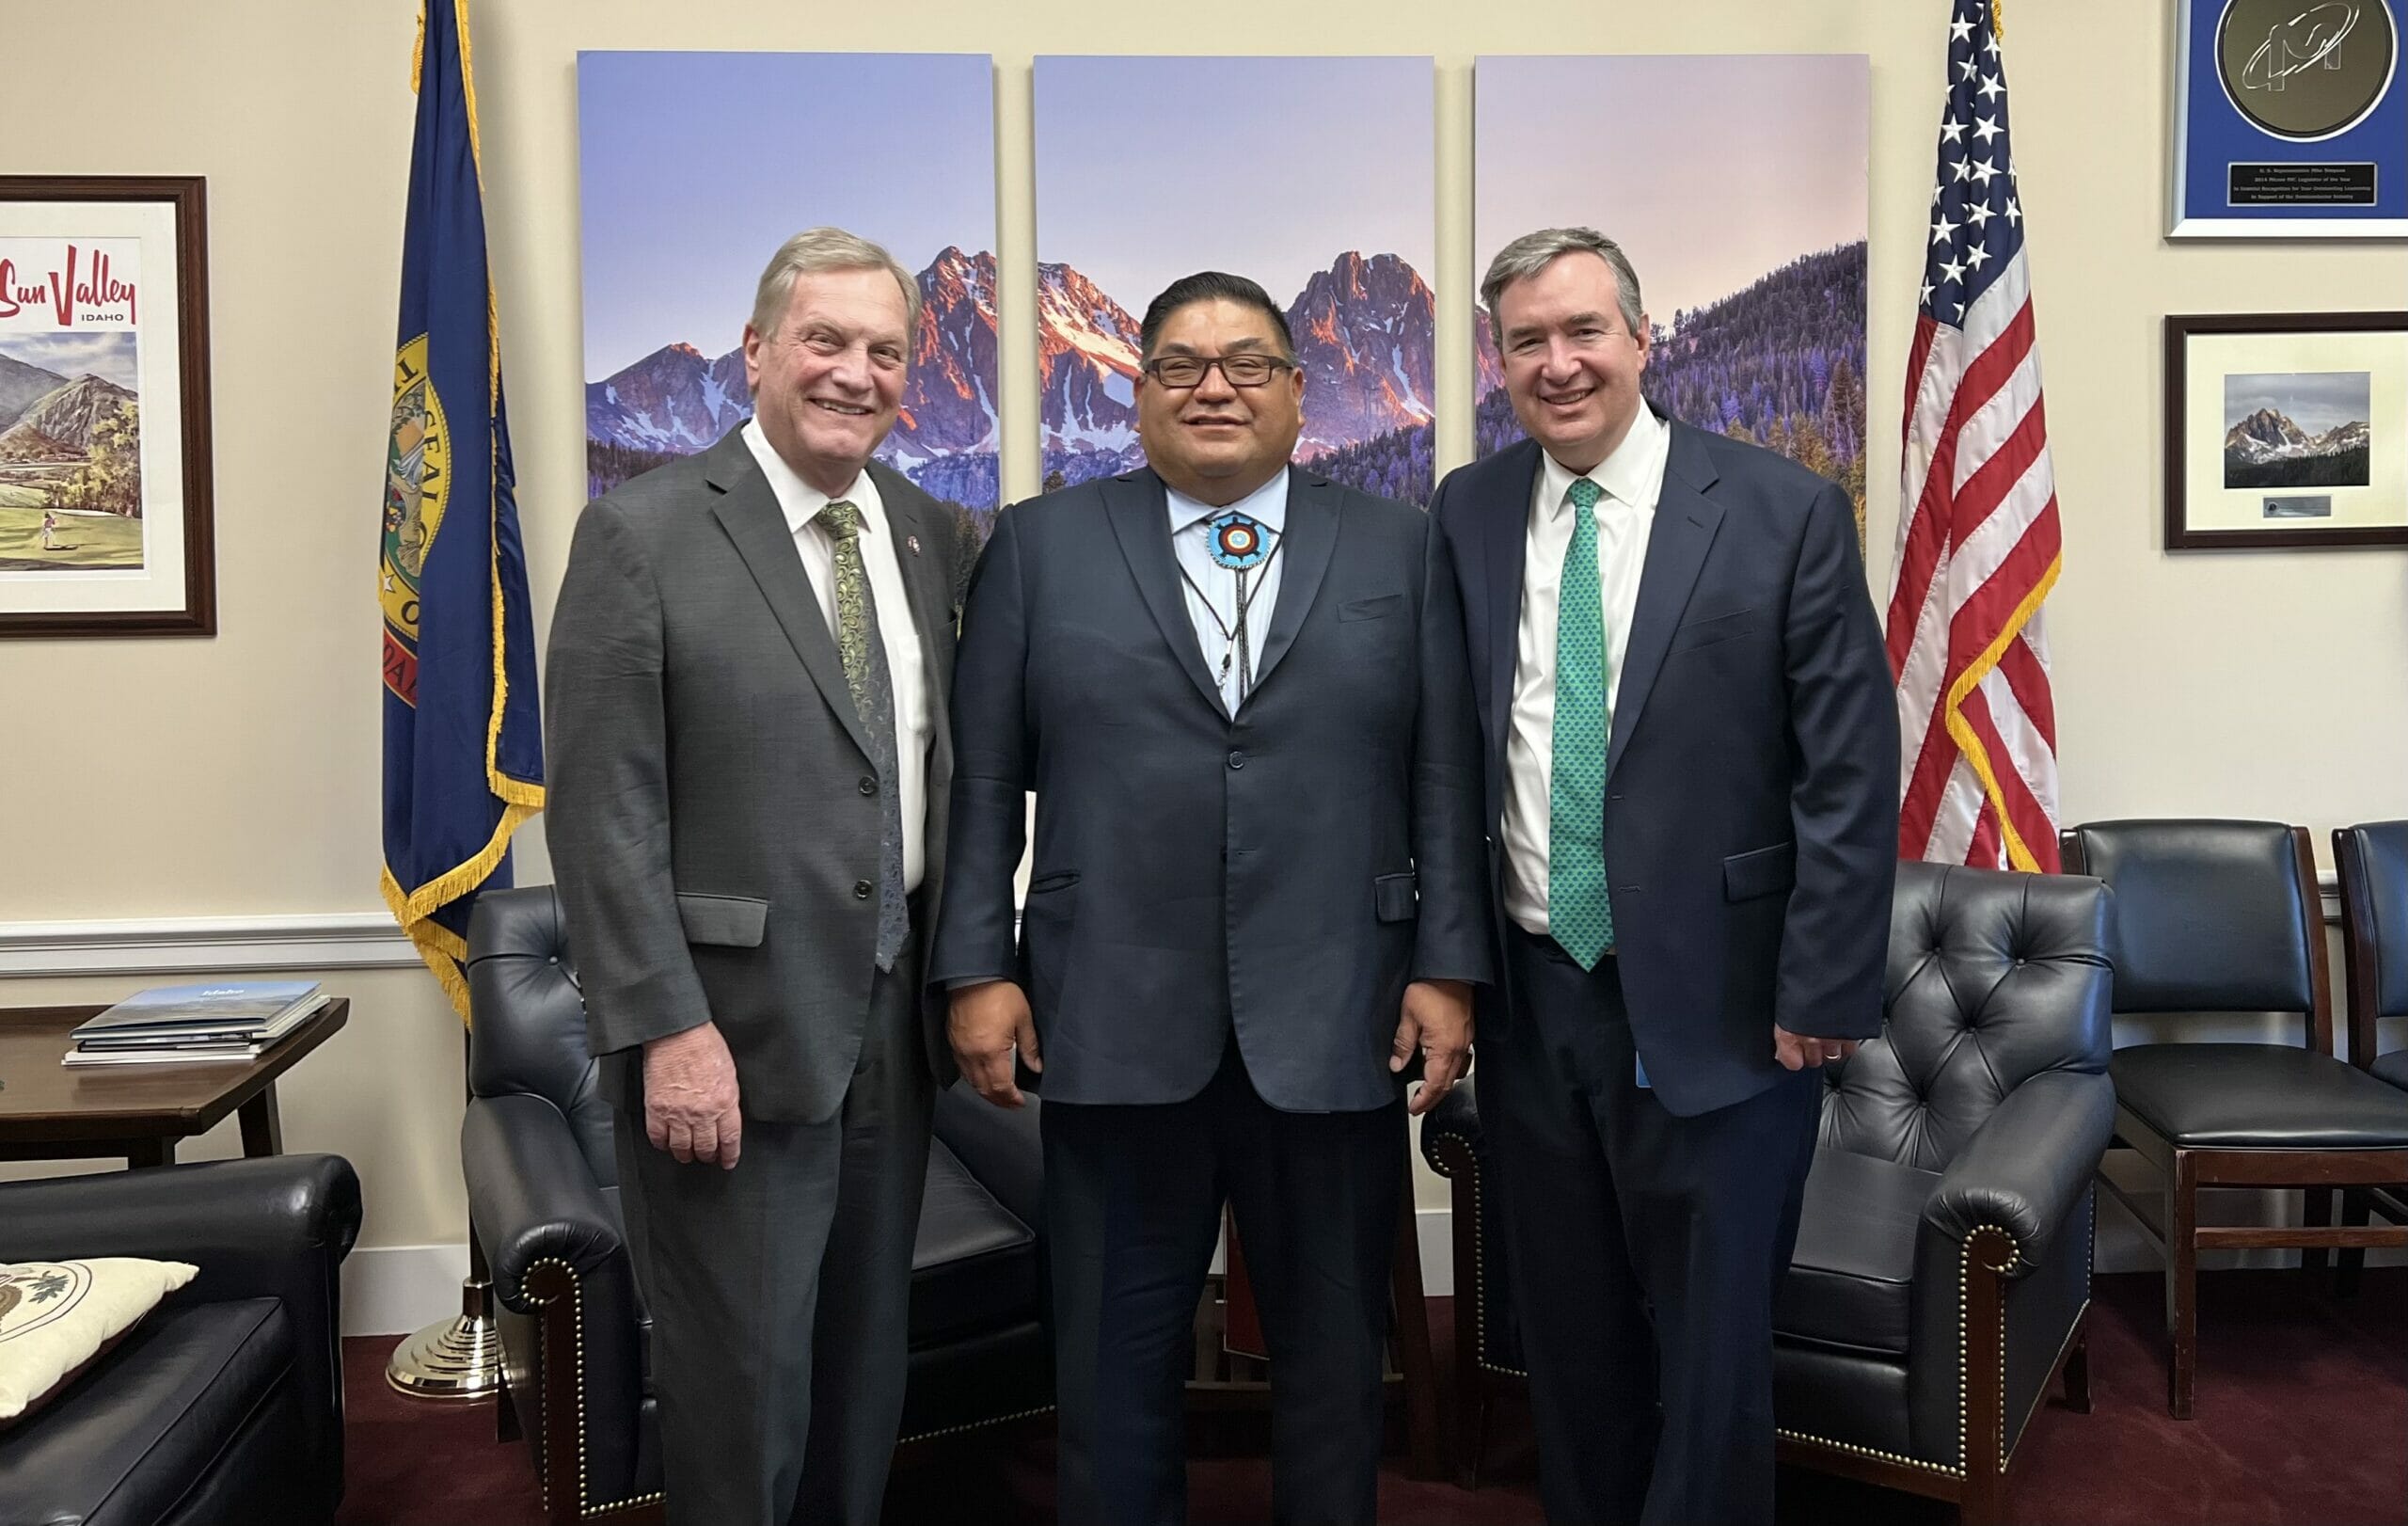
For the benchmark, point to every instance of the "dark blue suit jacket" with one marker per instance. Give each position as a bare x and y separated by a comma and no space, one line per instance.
1752,787
1286,872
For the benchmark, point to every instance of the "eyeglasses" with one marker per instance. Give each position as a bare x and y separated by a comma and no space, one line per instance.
1185,371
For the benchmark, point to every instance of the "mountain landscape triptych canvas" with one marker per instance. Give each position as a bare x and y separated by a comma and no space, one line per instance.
1738,185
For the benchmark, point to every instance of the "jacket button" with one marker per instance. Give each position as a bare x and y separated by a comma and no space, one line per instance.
863,890
869,786
1237,758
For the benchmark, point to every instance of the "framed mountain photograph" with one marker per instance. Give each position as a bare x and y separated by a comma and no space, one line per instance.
1759,320
2287,430
104,470
1340,150
679,218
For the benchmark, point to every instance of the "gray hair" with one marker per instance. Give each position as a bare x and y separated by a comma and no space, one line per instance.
1533,252
817,250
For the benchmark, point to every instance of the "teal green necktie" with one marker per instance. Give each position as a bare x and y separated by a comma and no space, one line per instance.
1577,911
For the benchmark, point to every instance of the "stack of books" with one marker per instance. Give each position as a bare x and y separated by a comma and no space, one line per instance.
234,1021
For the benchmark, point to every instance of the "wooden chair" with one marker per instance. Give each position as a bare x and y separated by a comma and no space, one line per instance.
2372,861
2226,917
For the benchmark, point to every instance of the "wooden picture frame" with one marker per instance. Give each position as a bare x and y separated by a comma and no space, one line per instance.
106,479
2286,430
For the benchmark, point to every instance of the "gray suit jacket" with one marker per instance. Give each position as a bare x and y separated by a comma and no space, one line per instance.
714,816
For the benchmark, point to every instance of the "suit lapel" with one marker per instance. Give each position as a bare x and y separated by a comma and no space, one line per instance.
913,519
1307,545
1686,522
1505,540
748,509
1140,513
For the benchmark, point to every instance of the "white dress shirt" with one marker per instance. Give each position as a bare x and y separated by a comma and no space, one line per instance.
906,661
1212,589
1631,478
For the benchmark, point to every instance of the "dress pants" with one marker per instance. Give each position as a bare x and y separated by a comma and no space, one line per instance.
1133,1198
1645,1250
781,1290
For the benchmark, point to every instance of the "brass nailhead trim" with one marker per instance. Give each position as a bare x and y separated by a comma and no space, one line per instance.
976,1425
1964,1268
576,1310
1478,1265
576,1306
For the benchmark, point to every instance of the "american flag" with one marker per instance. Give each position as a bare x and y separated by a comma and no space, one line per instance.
1978,545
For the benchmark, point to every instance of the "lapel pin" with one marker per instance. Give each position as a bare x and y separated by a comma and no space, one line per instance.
914,542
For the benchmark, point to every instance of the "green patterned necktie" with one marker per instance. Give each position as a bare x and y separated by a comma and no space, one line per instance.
873,692
1577,911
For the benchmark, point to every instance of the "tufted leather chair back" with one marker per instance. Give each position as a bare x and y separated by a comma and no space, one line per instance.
530,1034
1993,979
2211,916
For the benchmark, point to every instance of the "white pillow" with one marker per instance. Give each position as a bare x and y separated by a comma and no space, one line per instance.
55,1317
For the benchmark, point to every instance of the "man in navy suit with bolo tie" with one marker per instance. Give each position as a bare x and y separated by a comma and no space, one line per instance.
1692,757
1238,691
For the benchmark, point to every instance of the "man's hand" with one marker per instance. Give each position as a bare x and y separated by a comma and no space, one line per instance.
690,1097
1437,1020
1795,1051
990,1024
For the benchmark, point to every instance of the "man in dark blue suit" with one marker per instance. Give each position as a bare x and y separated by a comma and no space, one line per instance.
1692,757
1238,691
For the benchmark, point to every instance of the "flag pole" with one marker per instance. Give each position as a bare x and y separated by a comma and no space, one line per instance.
459,1358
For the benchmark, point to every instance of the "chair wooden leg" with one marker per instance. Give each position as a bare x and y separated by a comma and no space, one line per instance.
1414,1356
2181,1281
1474,1438
2078,1374
2317,1213
2357,1208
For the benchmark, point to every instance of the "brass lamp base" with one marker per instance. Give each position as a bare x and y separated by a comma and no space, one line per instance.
460,1358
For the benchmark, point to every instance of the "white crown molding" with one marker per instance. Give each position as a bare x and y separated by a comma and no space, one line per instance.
168,946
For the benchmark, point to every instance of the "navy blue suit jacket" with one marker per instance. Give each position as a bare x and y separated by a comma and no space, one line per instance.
1752,785
1285,871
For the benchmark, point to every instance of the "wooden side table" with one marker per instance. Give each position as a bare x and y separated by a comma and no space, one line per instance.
50,1111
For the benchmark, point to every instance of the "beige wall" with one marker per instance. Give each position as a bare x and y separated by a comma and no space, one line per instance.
237,775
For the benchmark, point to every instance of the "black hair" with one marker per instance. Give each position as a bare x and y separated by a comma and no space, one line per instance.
1208,286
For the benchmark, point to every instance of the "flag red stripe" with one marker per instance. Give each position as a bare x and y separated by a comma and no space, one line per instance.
1937,524
1995,478
2029,682
2031,822
1988,611
1975,625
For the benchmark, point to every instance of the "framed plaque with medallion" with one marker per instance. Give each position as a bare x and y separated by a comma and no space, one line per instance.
2290,120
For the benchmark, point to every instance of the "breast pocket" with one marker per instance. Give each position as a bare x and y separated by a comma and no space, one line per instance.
1712,630
1372,609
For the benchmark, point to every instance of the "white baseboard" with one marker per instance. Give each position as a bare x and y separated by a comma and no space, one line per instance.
396,1290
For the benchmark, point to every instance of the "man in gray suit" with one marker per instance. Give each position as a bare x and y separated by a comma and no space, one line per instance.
748,681
1239,692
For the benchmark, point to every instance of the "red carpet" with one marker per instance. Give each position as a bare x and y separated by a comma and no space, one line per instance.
2303,1417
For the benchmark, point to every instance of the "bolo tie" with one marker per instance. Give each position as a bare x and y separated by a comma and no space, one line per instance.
1244,545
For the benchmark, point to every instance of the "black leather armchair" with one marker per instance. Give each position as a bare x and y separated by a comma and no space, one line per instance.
2371,861
543,1194
225,1404
1943,1268
2224,916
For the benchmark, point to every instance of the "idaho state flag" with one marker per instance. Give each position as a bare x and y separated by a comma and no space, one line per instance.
464,748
